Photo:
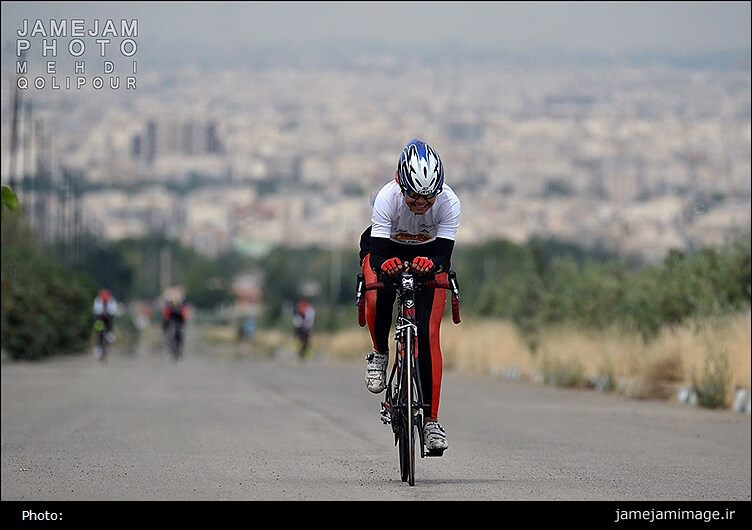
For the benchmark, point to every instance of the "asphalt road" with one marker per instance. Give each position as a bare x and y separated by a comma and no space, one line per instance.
218,428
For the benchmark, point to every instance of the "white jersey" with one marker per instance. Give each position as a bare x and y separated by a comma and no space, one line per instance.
391,218
305,320
99,306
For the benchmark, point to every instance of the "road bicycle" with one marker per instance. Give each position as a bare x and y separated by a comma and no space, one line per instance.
174,337
303,335
102,341
403,406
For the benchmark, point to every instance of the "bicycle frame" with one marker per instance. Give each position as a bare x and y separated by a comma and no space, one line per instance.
403,407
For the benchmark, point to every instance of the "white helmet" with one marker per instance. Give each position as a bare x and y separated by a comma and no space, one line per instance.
420,170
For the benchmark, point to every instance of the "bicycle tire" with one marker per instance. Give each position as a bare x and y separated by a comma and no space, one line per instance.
403,454
411,401
406,447
398,416
407,399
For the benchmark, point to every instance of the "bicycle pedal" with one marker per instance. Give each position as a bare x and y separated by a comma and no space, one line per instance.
435,452
386,418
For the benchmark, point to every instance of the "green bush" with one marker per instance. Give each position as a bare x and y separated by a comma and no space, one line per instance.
46,308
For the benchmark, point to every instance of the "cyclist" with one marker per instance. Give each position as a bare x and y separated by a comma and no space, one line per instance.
414,219
104,309
174,310
303,319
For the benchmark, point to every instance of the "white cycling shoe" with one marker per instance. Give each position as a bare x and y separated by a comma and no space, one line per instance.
435,437
376,371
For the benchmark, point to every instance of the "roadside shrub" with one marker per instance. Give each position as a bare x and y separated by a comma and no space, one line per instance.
661,377
564,372
714,385
45,307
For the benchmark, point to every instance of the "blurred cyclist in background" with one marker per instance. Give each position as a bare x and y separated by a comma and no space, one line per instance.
105,308
174,309
303,319
174,316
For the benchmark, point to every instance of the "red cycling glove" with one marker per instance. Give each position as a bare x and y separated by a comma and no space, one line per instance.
392,266
423,263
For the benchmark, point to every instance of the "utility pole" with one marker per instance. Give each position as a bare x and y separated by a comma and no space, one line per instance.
28,164
165,268
14,132
44,187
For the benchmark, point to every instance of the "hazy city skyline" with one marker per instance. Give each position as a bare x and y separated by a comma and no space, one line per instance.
652,142
197,28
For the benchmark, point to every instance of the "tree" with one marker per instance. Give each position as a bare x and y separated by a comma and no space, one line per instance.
9,199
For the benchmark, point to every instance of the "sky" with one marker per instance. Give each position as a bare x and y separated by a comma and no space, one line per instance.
681,28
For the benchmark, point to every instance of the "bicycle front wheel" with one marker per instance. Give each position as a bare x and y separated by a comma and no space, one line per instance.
408,428
103,344
406,444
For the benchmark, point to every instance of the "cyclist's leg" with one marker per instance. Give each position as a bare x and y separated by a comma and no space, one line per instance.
379,308
429,312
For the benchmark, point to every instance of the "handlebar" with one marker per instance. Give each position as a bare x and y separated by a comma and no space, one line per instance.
395,281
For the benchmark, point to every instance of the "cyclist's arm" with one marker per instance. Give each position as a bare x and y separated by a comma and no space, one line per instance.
446,234
442,254
380,248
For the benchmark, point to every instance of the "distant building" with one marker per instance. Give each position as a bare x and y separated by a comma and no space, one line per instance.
176,137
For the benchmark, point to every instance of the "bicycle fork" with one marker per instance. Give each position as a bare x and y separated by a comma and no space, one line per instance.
394,391
406,331
386,405
416,392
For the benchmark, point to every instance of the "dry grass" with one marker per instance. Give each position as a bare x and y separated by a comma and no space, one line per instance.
611,360
485,347
349,344
614,359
